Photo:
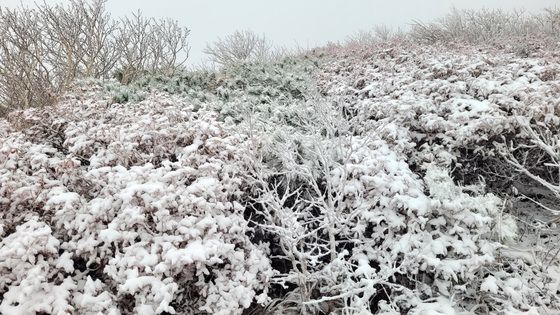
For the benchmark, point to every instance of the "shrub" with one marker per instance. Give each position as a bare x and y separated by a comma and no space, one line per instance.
242,46
44,49
514,28
116,212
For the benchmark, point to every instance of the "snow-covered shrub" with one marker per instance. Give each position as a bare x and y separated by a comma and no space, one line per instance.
36,276
358,179
454,104
142,201
353,225
265,89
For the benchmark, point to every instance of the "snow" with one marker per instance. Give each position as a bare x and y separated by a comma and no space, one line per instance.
472,105
441,306
489,285
317,184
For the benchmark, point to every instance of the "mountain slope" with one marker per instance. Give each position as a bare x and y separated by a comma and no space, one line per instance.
378,179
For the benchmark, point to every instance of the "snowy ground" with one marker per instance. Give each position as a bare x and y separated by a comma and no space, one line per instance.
352,180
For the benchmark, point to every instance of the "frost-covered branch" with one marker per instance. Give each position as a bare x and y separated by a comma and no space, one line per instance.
242,46
45,48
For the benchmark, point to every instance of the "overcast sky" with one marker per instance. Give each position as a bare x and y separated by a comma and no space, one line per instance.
307,23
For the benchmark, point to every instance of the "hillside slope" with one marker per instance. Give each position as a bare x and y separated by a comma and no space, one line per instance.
383,179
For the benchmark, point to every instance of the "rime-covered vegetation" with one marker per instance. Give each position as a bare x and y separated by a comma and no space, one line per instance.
380,178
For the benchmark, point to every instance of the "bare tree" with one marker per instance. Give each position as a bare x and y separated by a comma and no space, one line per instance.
152,46
475,26
379,33
79,39
44,49
241,46
549,21
25,78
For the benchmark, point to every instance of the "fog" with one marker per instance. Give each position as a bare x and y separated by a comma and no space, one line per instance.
296,23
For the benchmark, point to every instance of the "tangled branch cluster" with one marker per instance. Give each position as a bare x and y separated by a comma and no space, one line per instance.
45,48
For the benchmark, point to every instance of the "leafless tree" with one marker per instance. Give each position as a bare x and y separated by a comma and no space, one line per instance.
379,33
150,46
79,38
475,26
25,79
45,48
241,46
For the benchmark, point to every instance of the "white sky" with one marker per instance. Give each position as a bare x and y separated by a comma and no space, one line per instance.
307,23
